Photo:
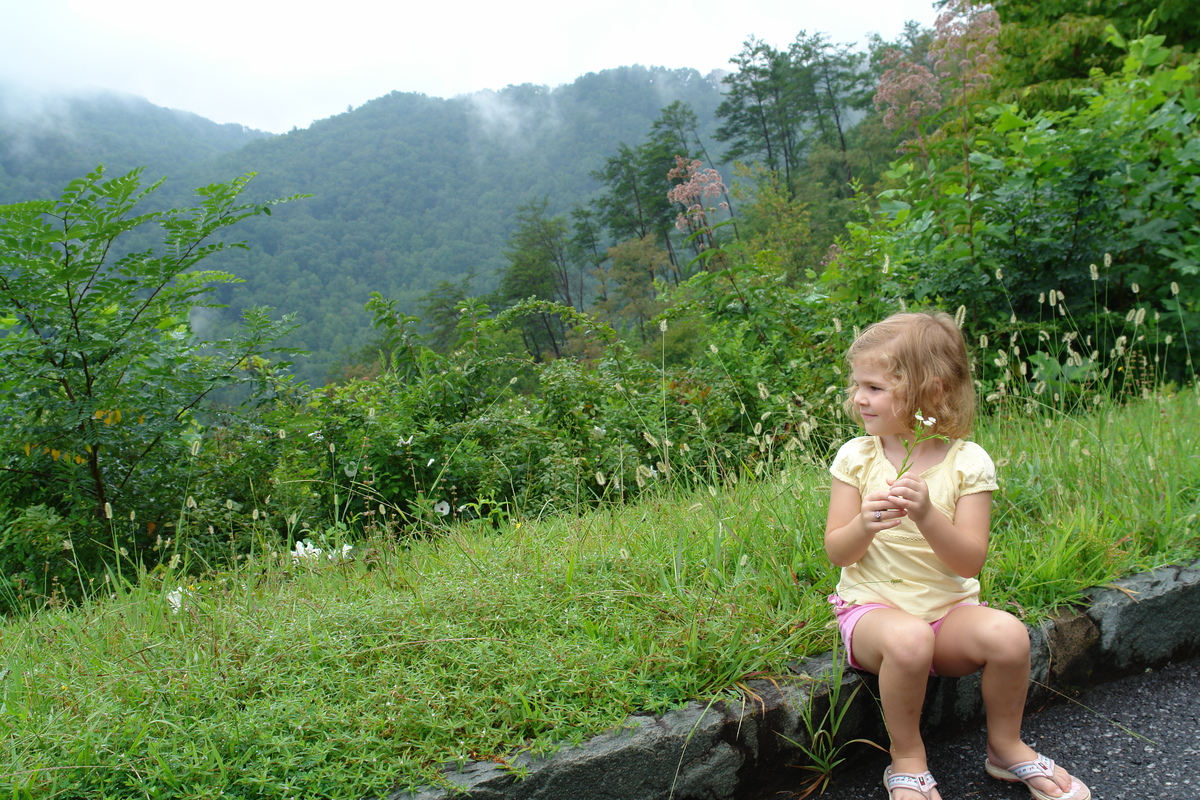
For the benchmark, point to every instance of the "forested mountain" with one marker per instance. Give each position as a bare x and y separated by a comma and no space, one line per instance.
407,190
47,141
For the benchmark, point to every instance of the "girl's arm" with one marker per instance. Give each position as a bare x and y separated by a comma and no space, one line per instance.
851,524
962,544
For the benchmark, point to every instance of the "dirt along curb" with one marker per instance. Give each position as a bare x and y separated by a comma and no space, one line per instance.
733,749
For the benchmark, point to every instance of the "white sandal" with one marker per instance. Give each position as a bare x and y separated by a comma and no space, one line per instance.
1041,767
921,784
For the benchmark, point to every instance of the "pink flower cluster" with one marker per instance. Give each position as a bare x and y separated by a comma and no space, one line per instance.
963,52
907,92
964,48
699,184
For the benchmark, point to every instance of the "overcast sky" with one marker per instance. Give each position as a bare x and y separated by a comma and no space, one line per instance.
273,65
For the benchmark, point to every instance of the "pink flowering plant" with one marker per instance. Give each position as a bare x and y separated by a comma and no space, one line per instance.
699,185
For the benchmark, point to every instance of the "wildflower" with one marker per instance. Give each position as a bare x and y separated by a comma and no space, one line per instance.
306,551
918,437
713,348
282,433
175,598
1095,272
837,325
1042,299
762,391
1053,297
332,447
960,316
650,439
191,502
174,562
600,479
1174,288
624,554
999,274
1107,260
194,447
1140,317
67,544
441,507
429,463
886,262
662,325
108,510
1136,289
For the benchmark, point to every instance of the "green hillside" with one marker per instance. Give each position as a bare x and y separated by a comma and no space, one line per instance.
410,190
47,141
407,190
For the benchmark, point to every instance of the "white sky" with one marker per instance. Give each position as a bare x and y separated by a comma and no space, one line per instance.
275,64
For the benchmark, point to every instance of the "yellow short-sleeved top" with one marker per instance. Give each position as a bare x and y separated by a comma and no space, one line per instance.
899,568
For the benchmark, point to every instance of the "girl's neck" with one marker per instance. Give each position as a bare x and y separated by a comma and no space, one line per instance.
925,453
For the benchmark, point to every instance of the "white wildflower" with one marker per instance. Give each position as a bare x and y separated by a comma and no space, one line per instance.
175,598
305,551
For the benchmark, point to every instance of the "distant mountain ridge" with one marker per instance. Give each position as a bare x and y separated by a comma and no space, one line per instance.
46,141
408,190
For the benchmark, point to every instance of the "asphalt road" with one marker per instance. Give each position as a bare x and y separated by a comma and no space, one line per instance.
1135,739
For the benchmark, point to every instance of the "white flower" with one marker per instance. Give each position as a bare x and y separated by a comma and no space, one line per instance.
441,507
175,598
305,550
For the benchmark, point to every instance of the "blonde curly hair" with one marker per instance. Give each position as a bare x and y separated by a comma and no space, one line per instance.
925,353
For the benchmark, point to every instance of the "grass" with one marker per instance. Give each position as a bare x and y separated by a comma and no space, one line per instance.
346,677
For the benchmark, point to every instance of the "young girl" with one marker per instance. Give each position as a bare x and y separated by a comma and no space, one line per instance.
911,545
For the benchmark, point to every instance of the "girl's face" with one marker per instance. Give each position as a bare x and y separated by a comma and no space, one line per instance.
873,397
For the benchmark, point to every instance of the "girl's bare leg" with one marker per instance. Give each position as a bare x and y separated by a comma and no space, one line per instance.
899,648
978,637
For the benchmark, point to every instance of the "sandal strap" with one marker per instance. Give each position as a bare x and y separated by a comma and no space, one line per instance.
922,783
1040,767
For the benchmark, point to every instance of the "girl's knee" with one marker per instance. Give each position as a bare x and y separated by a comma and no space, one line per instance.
1008,638
910,647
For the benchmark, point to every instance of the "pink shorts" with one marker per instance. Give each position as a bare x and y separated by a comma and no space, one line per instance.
848,616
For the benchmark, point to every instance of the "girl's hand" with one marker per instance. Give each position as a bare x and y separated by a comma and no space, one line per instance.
879,512
910,494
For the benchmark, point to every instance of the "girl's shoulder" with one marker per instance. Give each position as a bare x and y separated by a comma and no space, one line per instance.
858,447
853,457
972,466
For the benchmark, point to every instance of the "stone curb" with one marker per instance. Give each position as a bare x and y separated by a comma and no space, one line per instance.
730,749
